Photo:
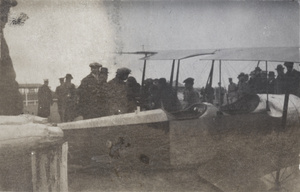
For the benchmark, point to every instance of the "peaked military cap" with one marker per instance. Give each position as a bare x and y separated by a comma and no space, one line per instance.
123,70
95,65
288,64
279,67
189,80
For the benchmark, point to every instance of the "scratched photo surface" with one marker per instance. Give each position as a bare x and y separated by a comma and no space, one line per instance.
97,74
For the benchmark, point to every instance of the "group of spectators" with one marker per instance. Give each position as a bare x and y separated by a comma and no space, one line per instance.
95,96
260,82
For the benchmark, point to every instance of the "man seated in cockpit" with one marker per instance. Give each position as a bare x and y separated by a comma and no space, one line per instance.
190,95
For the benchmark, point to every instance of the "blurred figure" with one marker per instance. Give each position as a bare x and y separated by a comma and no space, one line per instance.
292,78
59,94
117,92
168,97
220,92
69,91
104,74
279,81
88,93
271,82
243,88
190,95
232,91
44,100
133,93
146,95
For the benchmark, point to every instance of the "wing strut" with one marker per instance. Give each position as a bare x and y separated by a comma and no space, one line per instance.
267,104
172,73
177,75
208,92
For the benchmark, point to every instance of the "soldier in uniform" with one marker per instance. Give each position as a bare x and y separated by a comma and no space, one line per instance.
59,94
88,93
292,78
117,92
190,95
44,99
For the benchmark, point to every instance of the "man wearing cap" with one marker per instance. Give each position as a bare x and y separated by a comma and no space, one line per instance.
44,100
69,98
292,79
59,95
117,92
232,88
88,93
190,95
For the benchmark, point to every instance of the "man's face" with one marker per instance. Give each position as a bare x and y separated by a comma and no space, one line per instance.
124,76
188,85
95,70
46,82
289,68
61,81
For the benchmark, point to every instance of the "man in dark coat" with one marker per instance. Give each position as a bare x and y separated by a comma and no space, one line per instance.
69,94
59,95
88,93
117,92
133,93
279,81
168,98
292,79
44,99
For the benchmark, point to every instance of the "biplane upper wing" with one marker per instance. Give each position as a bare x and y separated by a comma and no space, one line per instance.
274,54
178,54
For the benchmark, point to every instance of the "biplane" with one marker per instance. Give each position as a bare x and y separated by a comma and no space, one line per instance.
255,136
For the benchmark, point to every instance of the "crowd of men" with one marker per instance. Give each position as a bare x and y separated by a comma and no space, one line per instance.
97,97
261,82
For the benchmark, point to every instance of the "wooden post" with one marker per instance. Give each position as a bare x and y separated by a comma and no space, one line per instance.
63,165
49,169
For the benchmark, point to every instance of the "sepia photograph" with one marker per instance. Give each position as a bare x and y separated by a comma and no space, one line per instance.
150,95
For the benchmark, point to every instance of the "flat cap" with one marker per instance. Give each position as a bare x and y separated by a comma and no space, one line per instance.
95,65
46,79
189,80
123,70
62,78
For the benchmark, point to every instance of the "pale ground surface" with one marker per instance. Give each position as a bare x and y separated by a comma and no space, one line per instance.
220,174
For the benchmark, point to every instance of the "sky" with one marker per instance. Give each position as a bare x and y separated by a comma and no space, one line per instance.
65,36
